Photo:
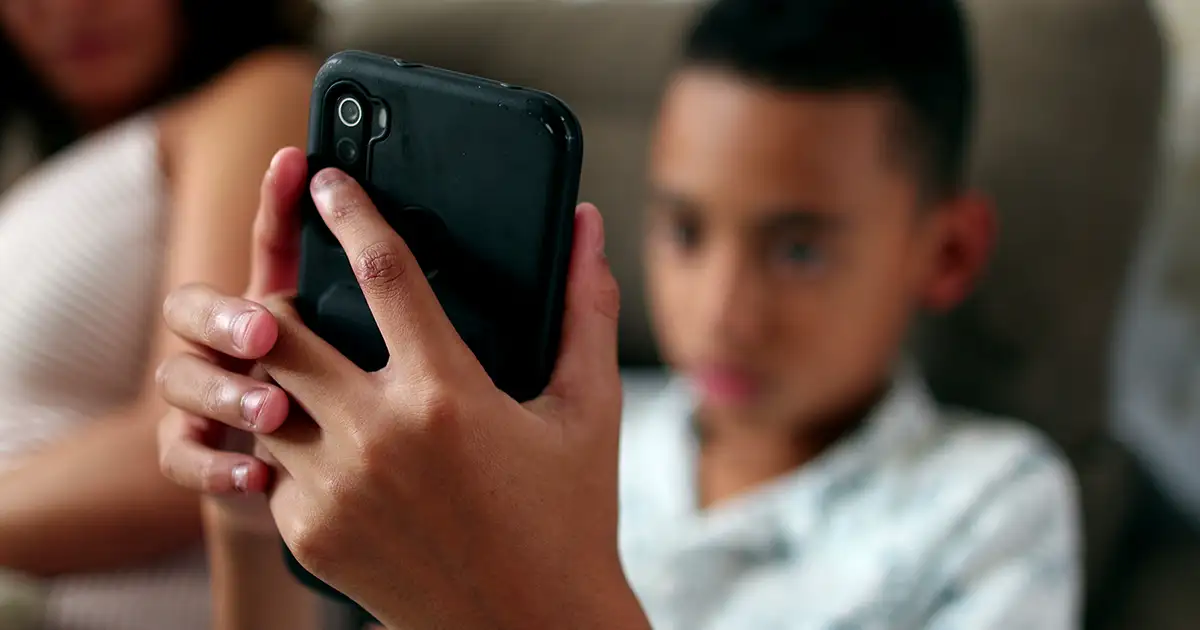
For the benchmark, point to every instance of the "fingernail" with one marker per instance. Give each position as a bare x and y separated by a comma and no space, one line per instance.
252,402
327,177
274,164
240,329
241,477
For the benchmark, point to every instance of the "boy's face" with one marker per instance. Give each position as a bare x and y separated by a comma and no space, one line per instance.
788,248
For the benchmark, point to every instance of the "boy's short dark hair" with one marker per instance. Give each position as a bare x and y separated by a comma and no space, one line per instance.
916,50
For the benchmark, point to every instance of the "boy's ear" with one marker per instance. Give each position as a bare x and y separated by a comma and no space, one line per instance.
966,235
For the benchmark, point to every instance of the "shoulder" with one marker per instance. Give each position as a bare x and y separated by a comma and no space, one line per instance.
271,74
997,452
265,91
999,483
1009,550
216,143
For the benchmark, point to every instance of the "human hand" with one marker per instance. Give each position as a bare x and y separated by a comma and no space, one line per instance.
422,491
205,442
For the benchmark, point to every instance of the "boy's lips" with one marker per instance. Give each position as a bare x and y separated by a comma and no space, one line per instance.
725,384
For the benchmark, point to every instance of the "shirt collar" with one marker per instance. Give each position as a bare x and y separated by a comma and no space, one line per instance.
786,508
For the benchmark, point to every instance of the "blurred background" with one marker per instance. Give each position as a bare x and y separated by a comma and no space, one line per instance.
1088,322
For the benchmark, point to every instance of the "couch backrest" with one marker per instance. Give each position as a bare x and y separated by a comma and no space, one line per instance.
1066,147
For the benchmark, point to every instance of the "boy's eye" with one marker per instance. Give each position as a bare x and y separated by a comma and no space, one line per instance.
798,252
685,232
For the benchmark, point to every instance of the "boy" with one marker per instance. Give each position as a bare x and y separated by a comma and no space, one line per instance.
808,197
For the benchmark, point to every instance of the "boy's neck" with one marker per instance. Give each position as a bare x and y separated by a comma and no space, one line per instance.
736,458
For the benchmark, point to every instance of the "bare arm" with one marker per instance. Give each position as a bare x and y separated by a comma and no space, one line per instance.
97,500
260,109
94,502
252,587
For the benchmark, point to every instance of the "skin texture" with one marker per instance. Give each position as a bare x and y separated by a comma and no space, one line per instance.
96,501
787,251
503,515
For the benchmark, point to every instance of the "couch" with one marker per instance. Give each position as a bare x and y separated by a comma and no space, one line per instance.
1072,95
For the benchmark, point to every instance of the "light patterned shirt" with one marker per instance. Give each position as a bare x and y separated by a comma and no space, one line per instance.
924,518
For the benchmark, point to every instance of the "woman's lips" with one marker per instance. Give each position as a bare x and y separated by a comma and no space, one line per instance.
89,49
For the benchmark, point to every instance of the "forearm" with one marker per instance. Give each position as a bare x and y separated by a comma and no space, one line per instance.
94,502
252,587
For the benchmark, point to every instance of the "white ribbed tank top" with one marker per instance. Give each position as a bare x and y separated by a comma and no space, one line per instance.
81,252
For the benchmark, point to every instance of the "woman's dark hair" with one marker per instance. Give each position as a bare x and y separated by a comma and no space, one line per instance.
216,32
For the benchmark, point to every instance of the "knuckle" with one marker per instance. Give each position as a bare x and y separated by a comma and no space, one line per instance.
364,440
339,493
267,234
210,324
316,538
178,297
177,307
376,458
213,394
280,306
163,375
170,306
166,461
438,405
165,432
261,229
344,201
312,543
378,266
608,299
212,476
373,445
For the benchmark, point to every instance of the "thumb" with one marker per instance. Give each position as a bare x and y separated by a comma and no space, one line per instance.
586,375
275,255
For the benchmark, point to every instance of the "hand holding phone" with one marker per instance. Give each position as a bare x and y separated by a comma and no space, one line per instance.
422,491
479,178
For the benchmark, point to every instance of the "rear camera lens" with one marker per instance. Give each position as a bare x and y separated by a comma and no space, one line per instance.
349,112
347,151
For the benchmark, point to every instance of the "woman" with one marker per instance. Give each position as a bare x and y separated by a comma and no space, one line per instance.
148,123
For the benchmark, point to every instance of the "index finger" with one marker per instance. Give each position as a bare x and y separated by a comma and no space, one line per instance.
405,308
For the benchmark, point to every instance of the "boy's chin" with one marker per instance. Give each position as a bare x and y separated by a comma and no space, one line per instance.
774,413
756,412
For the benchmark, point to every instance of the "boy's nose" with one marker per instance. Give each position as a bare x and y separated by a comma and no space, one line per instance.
735,304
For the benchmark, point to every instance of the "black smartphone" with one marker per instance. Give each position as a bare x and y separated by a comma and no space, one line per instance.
480,178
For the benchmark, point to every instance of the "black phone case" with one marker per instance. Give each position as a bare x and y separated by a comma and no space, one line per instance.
481,180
